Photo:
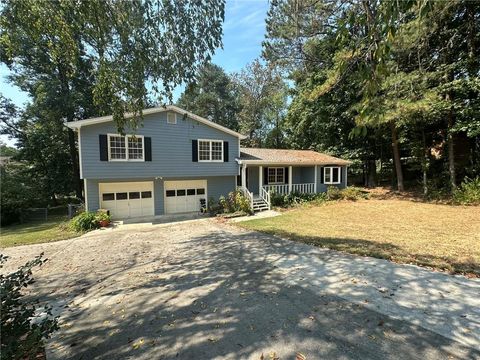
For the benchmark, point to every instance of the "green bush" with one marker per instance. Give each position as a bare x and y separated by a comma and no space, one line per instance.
85,221
235,202
468,193
334,193
24,328
294,198
352,193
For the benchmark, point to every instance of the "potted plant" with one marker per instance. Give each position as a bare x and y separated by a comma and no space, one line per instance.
103,219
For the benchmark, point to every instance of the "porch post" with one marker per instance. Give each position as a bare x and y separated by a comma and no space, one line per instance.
260,179
315,179
289,179
244,175
346,172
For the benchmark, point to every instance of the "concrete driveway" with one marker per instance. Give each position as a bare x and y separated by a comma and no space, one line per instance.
206,290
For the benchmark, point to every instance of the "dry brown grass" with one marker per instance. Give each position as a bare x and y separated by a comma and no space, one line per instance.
441,236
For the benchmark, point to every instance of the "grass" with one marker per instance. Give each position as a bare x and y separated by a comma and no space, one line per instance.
440,236
36,232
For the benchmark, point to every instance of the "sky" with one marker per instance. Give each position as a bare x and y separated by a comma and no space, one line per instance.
243,33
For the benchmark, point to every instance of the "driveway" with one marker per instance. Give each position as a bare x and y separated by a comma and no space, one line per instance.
204,290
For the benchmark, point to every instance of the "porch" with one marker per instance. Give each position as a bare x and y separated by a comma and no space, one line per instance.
258,183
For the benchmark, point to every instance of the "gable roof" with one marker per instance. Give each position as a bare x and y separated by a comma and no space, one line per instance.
102,119
288,157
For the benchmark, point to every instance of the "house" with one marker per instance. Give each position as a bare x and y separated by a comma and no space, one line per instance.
177,160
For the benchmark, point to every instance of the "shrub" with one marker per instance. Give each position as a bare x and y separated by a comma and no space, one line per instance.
468,193
235,202
23,329
294,198
353,193
85,221
334,193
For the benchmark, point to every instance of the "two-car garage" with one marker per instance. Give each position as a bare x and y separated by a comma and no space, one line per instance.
136,199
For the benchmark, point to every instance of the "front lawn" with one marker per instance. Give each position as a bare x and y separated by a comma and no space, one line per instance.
36,232
441,236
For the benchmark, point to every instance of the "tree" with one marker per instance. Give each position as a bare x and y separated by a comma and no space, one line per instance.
113,53
212,96
257,85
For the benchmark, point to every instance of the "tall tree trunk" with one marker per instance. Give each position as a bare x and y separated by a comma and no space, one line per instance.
425,164
371,173
396,158
451,146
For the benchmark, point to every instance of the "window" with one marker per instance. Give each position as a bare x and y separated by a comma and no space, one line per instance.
210,150
108,197
146,194
117,147
331,175
190,191
200,191
170,193
171,118
134,195
135,148
180,192
122,196
125,148
276,175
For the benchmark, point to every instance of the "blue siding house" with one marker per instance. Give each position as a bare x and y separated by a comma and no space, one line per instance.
176,161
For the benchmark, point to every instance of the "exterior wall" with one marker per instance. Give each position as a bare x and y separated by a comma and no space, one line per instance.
300,175
322,187
216,187
171,150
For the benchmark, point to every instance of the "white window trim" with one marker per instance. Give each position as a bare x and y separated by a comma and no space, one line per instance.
210,149
126,148
330,169
276,169
175,117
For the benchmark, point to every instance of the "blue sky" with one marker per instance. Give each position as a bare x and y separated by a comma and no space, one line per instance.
243,33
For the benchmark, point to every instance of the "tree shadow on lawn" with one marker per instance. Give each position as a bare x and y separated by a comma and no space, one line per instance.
386,251
223,295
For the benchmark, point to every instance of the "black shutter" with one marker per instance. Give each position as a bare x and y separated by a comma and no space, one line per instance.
195,150
285,179
225,151
322,180
148,148
103,147
265,176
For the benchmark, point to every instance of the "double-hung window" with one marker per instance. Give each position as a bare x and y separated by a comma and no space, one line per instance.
126,148
210,150
276,175
331,175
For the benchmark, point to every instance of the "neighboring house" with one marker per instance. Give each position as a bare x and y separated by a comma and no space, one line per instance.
177,160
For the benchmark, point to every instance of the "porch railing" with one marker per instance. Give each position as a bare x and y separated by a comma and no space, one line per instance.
305,188
265,195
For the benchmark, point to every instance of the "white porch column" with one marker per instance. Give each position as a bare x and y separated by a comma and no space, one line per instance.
346,172
289,179
244,175
260,178
315,179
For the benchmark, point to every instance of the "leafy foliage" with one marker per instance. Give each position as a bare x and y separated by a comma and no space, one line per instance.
235,202
87,221
295,198
468,193
213,95
24,328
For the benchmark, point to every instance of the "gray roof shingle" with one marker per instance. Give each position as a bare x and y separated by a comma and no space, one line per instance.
287,156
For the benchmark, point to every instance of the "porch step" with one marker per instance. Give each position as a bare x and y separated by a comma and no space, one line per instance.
259,205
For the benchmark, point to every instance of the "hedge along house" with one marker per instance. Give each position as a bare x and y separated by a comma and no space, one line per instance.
176,161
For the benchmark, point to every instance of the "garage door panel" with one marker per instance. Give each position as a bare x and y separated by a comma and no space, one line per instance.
184,195
127,200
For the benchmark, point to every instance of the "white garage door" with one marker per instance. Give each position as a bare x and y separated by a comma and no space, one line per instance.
127,200
184,196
